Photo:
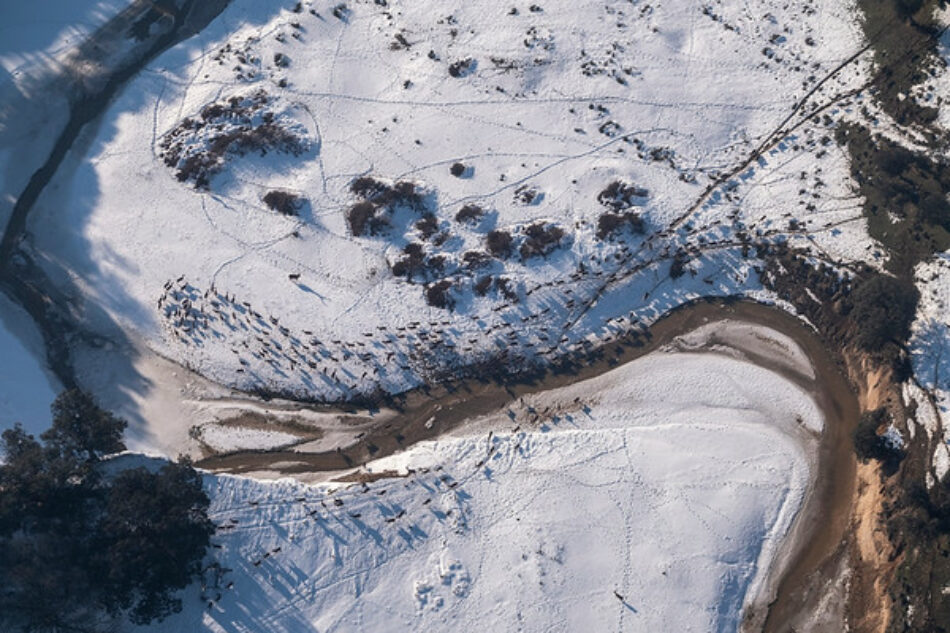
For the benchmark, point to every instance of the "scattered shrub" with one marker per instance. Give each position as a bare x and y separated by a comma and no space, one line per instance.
457,170
476,259
470,213
498,243
283,202
541,238
439,295
619,195
526,194
610,223
197,150
504,286
483,285
359,217
462,67
341,12
369,188
412,262
427,226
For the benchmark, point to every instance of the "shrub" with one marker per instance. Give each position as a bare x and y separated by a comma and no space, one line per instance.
457,170
619,195
439,295
883,310
359,217
470,213
283,202
610,223
462,67
503,285
482,285
526,194
427,226
369,188
499,243
412,262
541,238
476,259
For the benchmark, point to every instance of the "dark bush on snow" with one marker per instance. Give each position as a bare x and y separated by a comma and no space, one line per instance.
476,259
283,202
619,195
412,262
369,188
360,216
541,238
439,295
470,213
462,67
507,290
610,223
427,226
457,170
499,243
483,285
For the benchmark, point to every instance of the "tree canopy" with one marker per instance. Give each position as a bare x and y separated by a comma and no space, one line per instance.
80,546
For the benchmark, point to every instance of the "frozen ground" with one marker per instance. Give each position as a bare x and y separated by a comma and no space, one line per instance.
654,497
26,386
163,222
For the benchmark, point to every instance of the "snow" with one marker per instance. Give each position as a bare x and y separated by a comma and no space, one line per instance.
27,388
224,438
672,484
565,101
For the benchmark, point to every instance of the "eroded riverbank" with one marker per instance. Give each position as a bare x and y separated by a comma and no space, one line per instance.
822,522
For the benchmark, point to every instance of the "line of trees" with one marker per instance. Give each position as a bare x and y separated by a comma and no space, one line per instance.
81,544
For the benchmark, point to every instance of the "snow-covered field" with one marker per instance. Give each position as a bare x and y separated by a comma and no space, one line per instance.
26,386
651,498
558,114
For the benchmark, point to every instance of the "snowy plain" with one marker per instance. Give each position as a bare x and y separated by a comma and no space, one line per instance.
543,115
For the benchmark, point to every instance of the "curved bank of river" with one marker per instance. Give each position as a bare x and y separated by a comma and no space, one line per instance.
821,523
